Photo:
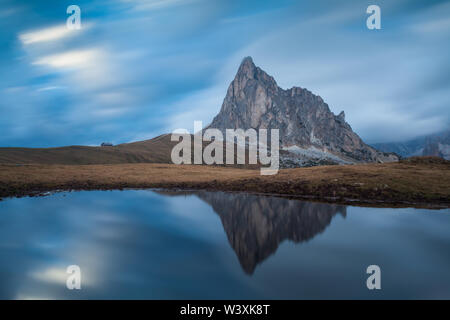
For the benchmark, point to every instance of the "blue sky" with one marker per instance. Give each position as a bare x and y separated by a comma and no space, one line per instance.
139,68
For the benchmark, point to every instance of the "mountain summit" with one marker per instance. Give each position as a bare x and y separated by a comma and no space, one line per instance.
308,129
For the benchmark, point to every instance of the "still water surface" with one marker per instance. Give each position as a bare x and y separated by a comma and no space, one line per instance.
139,244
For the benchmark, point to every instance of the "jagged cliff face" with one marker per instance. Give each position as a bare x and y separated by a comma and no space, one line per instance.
306,124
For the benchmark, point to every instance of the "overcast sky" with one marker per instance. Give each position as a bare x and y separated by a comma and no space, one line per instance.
139,68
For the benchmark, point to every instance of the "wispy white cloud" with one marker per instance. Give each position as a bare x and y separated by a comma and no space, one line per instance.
49,34
83,70
71,59
50,88
52,275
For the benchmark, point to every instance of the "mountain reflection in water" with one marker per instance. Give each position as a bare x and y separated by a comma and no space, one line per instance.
256,225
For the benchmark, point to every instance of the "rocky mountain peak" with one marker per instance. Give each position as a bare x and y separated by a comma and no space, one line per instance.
250,76
306,124
247,68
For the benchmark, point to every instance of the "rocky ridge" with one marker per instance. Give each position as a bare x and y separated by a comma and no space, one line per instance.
309,132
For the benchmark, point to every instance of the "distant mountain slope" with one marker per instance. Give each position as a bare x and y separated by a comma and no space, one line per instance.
156,150
307,126
437,144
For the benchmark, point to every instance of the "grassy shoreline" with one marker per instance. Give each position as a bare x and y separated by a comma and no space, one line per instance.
413,183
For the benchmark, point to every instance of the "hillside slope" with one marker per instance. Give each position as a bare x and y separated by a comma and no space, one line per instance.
156,150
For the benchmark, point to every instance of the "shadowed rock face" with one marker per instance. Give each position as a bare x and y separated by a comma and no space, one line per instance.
256,225
254,100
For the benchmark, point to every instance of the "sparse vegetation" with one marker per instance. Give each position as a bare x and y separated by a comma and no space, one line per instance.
411,182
